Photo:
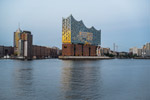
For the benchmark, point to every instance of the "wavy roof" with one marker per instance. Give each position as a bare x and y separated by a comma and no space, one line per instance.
81,22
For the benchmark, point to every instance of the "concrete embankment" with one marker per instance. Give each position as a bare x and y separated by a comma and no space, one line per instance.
83,57
141,58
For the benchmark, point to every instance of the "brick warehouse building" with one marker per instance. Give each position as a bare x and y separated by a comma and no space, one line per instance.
40,52
78,40
6,50
24,48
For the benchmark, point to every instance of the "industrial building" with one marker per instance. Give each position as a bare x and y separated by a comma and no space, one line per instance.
77,39
39,52
23,44
6,51
147,49
17,37
141,52
26,40
24,48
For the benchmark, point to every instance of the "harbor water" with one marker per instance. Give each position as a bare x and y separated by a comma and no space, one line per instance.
54,79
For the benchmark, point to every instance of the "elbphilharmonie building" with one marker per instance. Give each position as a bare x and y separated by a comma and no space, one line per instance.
77,39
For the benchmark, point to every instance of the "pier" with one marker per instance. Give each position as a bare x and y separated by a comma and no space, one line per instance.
83,57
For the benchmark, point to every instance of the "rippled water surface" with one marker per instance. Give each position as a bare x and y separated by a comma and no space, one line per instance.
54,79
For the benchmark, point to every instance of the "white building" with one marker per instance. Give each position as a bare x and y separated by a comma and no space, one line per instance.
144,51
134,50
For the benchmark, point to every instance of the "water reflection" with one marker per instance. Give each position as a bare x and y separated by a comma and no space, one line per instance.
23,79
81,80
74,80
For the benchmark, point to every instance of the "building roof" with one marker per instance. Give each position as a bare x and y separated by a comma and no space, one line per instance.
81,22
19,30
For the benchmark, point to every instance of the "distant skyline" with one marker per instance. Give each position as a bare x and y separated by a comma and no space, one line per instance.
123,22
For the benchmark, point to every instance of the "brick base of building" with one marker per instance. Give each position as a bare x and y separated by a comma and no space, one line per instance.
78,50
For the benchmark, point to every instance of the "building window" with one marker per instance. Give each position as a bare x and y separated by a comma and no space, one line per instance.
65,46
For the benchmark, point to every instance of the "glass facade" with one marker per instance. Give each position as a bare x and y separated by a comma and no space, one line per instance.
77,33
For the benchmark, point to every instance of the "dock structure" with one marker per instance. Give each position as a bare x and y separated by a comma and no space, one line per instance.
84,57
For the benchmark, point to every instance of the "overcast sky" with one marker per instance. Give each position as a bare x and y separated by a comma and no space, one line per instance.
124,22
